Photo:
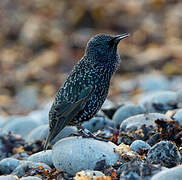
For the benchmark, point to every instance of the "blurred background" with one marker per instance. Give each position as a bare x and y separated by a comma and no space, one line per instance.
41,40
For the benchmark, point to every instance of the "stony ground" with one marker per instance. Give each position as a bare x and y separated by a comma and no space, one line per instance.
141,121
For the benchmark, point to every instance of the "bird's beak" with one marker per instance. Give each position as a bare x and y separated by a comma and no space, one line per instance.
122,36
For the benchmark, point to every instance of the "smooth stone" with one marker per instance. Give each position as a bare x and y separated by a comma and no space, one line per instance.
9,177
164,153
138,145
28,166
89,174
125,112
74,154
22,126
154,82
148,119
178,116
38,133
43,157
97,123
30,178
174,173
159,102
40,115
107,104
7,165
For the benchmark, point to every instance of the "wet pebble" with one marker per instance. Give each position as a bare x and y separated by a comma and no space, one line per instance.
165,153
30,178
169,174
74,154
89,174
139,145
125,112
178,116
42,157
9,177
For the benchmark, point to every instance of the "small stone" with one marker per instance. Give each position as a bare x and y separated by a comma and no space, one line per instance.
88,174
42,157
164,153
7,165
178,116
169,174
30,178
135,122
28,166
74,154
9,177
21,125
159,102
139,145
97,123
125,112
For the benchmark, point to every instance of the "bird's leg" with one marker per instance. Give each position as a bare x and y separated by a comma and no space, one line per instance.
85,133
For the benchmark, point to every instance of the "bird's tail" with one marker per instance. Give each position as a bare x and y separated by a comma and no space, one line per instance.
48,139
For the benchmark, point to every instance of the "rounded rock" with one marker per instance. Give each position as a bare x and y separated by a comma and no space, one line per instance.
30,178
43,157
178,116
7,165
165,153
173,173
74,154
9,177
89,174
97,123
138,145
148,119
22,126
125,112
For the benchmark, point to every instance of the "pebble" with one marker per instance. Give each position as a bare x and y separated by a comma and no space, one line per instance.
97,123
125,112
9,177
22,169
178,116
74,154
7,165
159,102
164,153
38,133
89,174
30,178
21,125
43,157
169,174
139,145
135,122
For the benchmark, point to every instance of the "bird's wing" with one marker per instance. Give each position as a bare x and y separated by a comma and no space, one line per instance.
64,111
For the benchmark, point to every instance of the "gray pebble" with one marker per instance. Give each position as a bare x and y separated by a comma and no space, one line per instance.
178,116
28,166
138,145
97,123
7,165
125,112
135,122
43,157
165,153
74,154
22,126
9,177
90,174
159,102
30,178
174,173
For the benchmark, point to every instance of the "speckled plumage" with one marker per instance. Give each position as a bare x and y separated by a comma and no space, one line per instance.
86,87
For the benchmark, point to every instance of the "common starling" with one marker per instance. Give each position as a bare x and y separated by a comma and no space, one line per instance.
86,87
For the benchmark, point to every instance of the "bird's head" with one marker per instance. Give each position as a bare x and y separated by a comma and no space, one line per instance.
103,47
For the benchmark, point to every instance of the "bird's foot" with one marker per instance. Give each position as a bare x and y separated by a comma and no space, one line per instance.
85,133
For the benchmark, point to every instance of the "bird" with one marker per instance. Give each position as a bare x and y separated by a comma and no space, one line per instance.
86,87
